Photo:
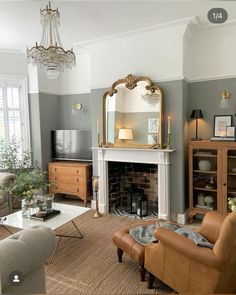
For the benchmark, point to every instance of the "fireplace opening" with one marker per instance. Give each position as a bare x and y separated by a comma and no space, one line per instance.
133,189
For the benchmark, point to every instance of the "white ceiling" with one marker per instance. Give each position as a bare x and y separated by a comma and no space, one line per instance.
86,20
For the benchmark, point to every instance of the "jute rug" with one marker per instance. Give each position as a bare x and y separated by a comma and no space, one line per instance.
90,266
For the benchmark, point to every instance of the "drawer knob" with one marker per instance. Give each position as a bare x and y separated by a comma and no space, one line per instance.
77,190
77,179
77,171
55,169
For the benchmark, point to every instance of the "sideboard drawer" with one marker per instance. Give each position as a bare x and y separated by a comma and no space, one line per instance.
66,178
66,170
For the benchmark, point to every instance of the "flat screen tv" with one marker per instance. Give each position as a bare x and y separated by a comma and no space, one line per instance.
71,145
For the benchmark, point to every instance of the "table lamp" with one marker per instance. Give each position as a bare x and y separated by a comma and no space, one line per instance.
196,114
125,134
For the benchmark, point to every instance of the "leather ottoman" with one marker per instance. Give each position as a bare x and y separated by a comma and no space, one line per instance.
125,243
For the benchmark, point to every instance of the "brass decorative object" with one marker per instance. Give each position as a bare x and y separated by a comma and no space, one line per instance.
130,82
168,142
95,189
224,99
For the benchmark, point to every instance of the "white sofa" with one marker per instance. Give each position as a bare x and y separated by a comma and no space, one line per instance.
26,252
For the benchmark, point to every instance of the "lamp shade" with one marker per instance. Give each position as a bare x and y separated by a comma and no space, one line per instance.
196,114
125,133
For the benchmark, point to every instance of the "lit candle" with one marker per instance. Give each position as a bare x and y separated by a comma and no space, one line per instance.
222,133
168,124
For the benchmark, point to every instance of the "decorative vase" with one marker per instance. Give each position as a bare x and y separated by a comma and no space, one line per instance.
233,208
201,199
204,165
49,202
28,207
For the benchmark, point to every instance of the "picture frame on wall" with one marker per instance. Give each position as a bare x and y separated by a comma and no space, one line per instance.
221,122
153,125
230,131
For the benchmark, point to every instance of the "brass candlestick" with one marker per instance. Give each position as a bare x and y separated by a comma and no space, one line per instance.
168,142
99,142
95,188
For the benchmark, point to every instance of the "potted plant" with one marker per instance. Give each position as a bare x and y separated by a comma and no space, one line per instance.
30,179
232,203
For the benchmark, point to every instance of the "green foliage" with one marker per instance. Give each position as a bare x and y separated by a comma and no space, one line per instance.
12,159
29,178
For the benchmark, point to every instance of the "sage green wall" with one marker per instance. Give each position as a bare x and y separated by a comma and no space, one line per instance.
49,112
205,95
49,120
35,127
43,119
80,119
173,105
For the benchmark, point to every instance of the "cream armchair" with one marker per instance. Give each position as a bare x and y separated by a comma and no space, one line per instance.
188,268
5,199
25,252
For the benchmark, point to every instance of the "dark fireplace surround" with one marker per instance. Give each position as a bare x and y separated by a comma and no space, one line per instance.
125,177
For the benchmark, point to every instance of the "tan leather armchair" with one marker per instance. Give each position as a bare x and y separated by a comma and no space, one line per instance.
188,268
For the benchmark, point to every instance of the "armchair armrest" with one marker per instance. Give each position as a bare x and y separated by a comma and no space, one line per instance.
25,251
187,247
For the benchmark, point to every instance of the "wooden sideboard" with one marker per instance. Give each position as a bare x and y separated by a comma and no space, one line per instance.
71,178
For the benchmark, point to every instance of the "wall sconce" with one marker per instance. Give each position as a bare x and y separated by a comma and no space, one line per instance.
76,107
196,114
125,134
224,99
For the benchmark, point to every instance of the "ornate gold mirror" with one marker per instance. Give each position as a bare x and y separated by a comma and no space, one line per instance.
132,114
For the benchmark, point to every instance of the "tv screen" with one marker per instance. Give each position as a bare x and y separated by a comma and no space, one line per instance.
72,144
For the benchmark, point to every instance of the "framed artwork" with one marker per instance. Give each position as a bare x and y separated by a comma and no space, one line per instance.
230,131
153,125
220,125
152,138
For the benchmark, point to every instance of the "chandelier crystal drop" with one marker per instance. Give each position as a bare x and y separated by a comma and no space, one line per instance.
50,55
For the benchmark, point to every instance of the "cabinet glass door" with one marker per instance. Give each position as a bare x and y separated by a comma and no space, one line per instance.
230,185
205,180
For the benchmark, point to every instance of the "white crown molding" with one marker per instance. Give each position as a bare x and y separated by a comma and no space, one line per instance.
167,25
107,86
193,26
204,79
197,26
87,91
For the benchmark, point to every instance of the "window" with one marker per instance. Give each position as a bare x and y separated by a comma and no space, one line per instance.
14,114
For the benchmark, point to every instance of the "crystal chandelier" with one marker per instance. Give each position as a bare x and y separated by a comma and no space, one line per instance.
151,98
50,55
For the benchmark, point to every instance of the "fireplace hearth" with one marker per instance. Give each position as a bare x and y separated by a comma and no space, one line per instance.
133,188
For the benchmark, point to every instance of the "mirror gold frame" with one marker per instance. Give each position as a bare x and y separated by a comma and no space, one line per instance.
130,82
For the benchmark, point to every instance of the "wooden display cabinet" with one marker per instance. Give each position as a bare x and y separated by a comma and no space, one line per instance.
71,178
212,174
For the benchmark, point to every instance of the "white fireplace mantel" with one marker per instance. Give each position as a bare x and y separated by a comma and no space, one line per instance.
135,155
